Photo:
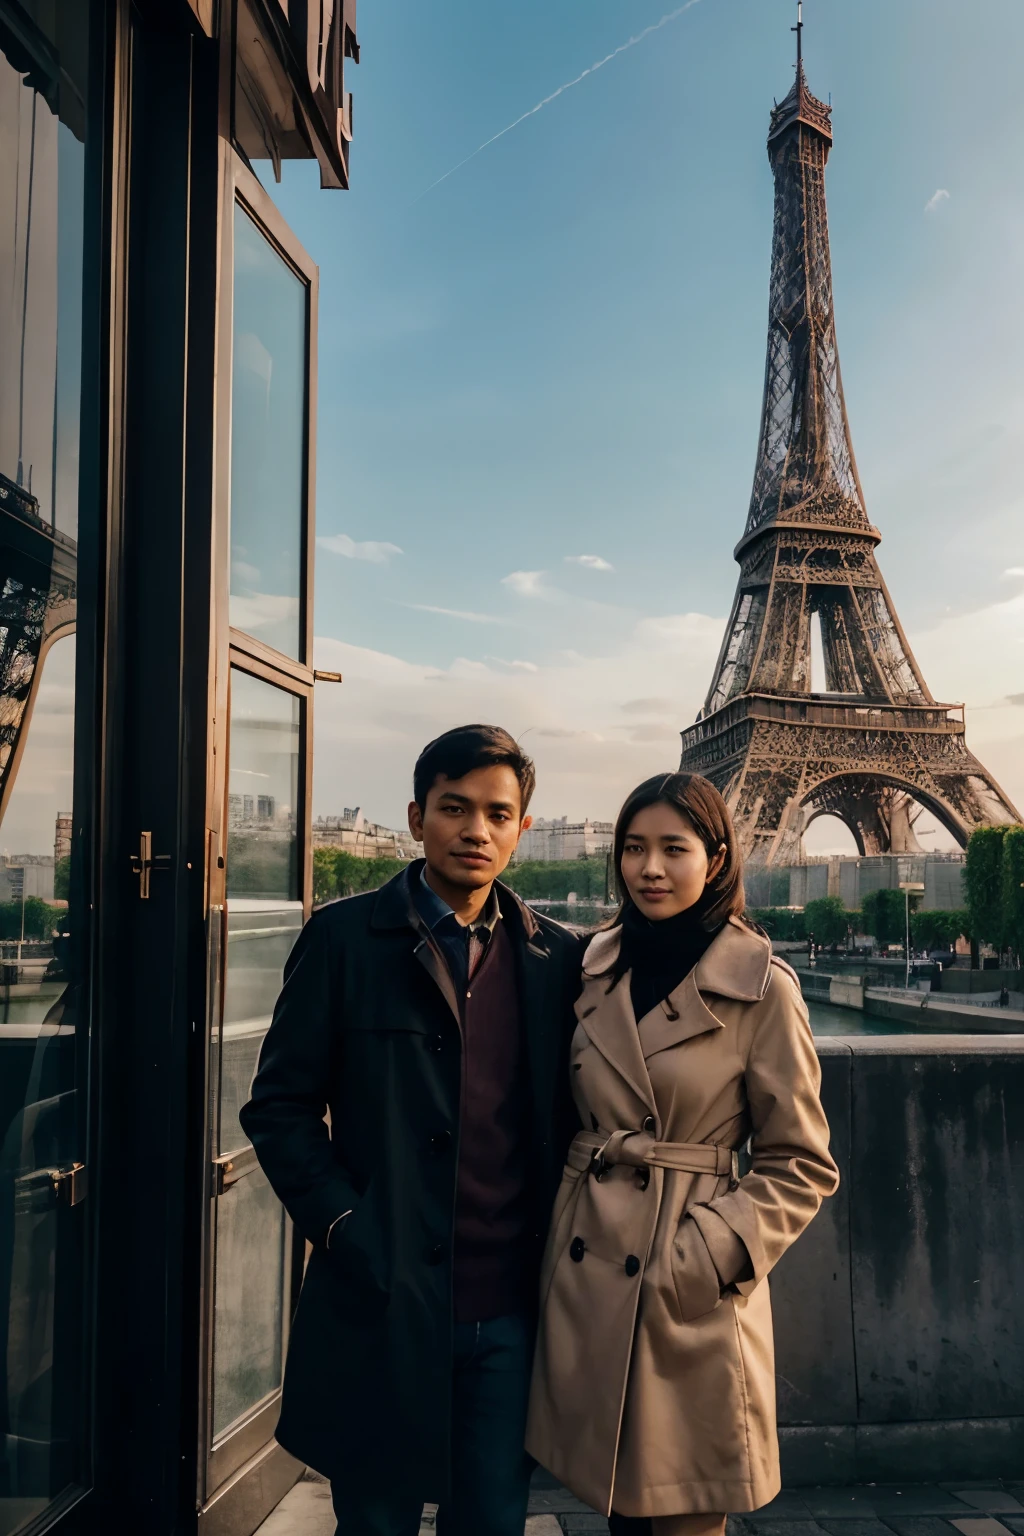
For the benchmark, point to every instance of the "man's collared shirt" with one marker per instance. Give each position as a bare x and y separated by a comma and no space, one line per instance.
462,944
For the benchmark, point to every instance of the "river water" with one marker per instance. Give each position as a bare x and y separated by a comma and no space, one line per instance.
829,1020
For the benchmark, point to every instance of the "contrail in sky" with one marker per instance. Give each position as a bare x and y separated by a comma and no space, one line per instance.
622,48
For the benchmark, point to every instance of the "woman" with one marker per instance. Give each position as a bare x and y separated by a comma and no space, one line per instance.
654,1391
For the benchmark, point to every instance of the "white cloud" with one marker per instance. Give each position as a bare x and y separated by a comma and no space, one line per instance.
456,613
259,609
935,202
519,666
592,562
377,553
526,583
588,754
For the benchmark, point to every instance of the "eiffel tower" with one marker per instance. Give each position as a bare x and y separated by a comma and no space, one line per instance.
875,742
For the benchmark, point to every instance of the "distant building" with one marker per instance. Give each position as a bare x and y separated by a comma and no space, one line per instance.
553,841
365,839
62,837
26,874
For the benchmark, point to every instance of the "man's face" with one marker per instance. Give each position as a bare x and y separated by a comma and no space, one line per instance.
469,827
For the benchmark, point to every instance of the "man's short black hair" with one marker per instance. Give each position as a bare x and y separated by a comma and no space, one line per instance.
458,752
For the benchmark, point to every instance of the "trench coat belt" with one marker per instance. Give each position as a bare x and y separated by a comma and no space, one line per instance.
638,1149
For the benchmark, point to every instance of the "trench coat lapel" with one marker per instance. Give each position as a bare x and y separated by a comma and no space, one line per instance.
735,965
609,1020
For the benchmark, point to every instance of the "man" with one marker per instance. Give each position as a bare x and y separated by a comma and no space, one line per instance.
432,1019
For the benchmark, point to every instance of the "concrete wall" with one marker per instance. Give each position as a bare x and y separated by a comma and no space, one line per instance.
899,1346
851,879
955,980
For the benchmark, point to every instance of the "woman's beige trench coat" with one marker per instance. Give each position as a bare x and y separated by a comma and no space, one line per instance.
654,1380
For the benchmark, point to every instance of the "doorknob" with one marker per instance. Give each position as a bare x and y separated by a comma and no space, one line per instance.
146,861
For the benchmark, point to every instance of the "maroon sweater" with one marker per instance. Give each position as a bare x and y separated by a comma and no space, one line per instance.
492,1202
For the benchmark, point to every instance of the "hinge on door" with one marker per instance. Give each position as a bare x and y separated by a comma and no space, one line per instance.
146,861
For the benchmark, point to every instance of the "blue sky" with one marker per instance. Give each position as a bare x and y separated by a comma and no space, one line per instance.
558,352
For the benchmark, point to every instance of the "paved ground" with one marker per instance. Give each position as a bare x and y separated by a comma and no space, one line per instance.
913,1509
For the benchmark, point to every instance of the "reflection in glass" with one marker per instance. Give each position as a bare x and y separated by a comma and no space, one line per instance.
43,53
248,1299
264,917
268,442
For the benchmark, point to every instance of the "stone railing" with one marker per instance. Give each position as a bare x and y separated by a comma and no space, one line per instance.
900,1355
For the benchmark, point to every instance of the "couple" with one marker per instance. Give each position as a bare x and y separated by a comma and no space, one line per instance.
515,1158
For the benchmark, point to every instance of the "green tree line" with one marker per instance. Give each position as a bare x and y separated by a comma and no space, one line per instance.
882,917
40,918
336,872
994,884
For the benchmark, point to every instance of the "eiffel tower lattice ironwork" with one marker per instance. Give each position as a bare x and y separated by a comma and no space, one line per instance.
875,740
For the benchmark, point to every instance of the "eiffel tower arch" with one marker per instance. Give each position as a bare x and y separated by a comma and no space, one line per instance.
874,740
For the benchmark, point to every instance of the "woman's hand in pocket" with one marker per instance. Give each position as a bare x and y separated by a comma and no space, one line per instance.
697,1282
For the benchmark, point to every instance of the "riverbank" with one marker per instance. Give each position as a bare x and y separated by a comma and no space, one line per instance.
920,1009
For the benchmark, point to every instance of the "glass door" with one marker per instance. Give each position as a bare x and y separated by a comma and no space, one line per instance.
260,874
46,754
264,912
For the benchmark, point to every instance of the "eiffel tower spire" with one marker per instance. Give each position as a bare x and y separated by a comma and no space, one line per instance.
781,752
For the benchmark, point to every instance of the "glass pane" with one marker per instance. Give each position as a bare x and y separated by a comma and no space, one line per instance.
43,53
263,791
268,442
249,1299
260,935
264,916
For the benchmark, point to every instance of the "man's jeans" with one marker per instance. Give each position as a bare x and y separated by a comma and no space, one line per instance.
490,1468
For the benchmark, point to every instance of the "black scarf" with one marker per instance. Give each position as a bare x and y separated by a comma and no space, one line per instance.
660,954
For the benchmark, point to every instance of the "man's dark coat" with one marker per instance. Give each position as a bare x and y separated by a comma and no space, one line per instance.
367,1027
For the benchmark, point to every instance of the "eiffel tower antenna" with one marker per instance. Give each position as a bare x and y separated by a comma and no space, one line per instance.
799,30
867,738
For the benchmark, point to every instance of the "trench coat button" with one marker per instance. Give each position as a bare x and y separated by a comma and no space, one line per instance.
577,1248
650,1125
435,1043
440,1142
435,1255
632,1265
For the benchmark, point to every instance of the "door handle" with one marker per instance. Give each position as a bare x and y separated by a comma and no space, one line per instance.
146,861
233,1166
44,1188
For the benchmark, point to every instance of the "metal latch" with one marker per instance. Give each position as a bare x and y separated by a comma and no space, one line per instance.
146,861
71,1184
227,1170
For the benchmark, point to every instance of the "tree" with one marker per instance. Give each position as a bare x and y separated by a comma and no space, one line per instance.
983,885
554,879
933,929
1013,891
39,917
325,877
885,916
782,923
62,878
337,872
826,920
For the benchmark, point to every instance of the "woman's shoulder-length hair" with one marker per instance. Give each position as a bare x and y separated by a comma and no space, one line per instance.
702,805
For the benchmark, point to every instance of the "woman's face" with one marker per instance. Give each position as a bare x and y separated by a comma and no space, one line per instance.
665,865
